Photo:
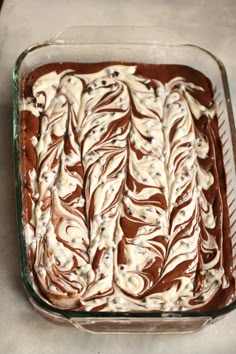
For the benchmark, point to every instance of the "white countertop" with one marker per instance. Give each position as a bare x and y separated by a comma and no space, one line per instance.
212,24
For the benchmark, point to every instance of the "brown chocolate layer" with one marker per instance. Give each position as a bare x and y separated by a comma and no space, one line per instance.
216,194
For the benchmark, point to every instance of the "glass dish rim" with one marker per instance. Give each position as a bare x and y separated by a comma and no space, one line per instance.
23,256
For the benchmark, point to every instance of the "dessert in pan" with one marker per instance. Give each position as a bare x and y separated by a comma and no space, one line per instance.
124,189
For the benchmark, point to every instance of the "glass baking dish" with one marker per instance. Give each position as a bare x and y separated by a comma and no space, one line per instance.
134,44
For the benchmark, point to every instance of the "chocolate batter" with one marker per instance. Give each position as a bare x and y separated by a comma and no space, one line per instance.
124,188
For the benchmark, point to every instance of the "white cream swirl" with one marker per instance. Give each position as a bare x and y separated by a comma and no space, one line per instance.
121,215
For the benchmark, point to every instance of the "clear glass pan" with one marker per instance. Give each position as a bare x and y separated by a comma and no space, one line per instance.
135,44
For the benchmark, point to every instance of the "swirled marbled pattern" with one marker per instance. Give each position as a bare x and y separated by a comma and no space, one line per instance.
124,188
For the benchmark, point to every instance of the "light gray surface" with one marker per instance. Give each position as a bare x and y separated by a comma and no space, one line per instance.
211,24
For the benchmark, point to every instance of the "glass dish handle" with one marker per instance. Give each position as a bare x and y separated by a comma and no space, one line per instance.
140,325
115,35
